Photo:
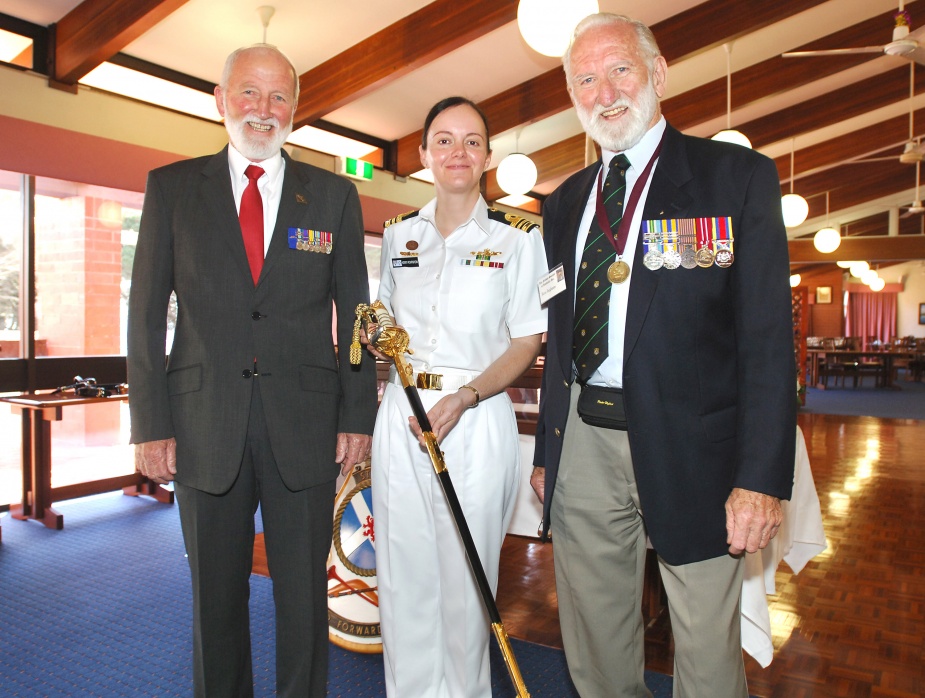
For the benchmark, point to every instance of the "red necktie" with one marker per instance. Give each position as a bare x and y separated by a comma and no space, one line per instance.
251,219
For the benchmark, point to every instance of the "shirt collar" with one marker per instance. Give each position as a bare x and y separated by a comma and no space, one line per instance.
238,163
640,153
479,214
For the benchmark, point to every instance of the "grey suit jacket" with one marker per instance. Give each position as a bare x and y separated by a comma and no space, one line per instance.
709,378
190,242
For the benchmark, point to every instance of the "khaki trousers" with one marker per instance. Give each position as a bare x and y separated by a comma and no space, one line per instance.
599,546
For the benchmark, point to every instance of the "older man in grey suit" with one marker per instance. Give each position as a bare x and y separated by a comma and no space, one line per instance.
253,405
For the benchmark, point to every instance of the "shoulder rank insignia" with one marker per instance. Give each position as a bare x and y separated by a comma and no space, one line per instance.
524,224
400,217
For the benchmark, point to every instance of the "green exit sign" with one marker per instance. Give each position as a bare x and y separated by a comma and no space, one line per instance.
357,169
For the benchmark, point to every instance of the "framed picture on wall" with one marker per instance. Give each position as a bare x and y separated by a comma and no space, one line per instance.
824,294
922,313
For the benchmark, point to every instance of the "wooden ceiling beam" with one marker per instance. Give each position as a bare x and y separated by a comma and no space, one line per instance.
545,95
96,30
421,37
872,249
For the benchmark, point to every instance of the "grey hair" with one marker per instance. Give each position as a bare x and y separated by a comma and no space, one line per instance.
264,48
648,46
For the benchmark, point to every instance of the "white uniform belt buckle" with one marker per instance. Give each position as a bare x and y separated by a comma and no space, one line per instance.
429,381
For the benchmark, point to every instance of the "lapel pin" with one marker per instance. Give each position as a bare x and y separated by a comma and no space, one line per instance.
299,199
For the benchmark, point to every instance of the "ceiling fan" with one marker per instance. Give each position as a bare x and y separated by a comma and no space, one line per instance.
913,152
905,44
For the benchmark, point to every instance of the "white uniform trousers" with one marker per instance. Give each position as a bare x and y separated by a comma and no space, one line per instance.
435,630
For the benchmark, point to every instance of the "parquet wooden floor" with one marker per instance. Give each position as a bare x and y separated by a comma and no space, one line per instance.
852,623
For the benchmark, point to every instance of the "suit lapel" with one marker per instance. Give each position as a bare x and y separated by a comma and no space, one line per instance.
664,200
292,206
218,197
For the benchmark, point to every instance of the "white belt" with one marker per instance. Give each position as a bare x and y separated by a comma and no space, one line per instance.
444,380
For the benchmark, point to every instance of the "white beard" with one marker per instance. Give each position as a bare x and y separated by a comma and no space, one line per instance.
253,145
631,127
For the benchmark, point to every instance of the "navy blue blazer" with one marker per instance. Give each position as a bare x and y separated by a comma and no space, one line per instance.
709,376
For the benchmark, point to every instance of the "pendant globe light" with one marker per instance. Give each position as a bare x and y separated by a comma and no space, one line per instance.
795,280
730,135
516,173
858,268
547,25
828,239
794,206
877,285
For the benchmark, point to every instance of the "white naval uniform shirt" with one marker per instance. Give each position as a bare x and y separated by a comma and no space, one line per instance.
461,316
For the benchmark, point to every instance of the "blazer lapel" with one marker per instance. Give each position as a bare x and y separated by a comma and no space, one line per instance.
665,198
217,195
292,206
565,250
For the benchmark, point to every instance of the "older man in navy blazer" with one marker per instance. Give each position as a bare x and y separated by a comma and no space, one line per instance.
671,415
253,405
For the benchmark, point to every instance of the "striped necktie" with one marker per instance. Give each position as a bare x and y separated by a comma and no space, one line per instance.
592,288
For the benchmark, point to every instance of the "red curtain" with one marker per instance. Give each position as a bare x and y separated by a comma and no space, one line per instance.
871,315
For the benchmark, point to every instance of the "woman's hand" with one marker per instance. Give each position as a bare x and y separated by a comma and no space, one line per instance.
444,415
364,339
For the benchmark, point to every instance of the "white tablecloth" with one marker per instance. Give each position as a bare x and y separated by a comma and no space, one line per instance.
799,540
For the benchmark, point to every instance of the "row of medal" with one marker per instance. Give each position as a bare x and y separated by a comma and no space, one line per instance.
310,240
688,243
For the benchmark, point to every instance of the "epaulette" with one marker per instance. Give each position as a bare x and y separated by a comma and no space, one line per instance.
400,217
524,224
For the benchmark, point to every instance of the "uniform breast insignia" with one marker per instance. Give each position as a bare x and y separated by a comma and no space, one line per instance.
524,224
483,259
688,242
353,601
399,218
307,240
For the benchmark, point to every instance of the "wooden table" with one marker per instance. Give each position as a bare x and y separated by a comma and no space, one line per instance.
38,411
817,357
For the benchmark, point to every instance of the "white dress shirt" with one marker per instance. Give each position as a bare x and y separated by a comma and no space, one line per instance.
610,372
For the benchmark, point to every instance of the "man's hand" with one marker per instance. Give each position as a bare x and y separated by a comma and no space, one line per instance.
352,449
752,520
538,482
157,460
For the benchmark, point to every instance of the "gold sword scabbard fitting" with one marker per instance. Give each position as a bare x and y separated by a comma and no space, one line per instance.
436,455
505,644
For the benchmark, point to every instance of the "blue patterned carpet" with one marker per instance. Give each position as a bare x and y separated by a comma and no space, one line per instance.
102,609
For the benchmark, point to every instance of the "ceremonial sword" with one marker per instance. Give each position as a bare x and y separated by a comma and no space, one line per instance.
392,341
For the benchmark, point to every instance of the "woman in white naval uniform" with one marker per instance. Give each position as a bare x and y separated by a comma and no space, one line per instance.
462,280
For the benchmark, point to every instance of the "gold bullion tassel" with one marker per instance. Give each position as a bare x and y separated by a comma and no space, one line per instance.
356,349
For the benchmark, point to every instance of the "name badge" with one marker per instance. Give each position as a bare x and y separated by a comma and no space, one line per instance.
551,284
399,262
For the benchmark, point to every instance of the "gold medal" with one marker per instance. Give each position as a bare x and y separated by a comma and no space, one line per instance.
704,257
618,272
